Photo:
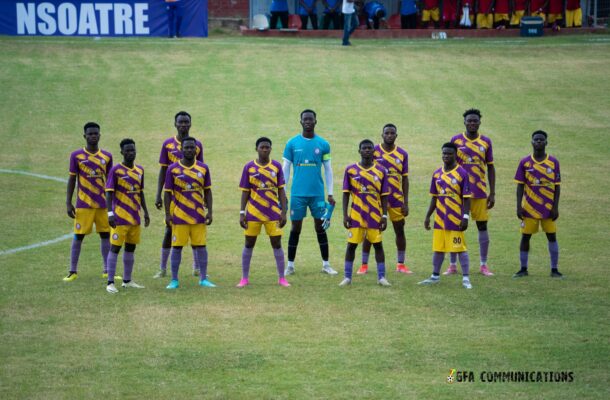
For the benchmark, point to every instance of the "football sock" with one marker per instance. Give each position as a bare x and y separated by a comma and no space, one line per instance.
400,255
437,262
202,259
246,257
176,257
290,264
380,270
164,256
111,263
128,261
523,255
293,242
453,258
279,261
554,252
483,246
195,262
349,266
105,249
323,242
365,258
75,254
465,263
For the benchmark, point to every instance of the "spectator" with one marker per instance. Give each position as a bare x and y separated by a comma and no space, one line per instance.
307,11
555,13
538,8
332,13
501,14
279,10
518,11
450,13
174,17
375,13
573,14
408,14
485,18
431,12
350,20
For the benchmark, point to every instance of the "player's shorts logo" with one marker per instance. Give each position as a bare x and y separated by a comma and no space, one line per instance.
350,234
317,151
115,236
77,226
522,224
174,238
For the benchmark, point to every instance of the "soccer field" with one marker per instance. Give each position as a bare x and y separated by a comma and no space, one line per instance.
314,339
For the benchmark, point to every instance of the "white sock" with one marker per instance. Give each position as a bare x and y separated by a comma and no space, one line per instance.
290,264
325,263
466,279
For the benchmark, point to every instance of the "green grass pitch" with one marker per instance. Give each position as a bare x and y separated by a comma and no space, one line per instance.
312,340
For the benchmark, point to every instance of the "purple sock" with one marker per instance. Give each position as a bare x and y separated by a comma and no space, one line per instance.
349,266
465,263
246,257
128,261
195,261
365,258
75,254
523,255
279,261
483,246
400,255
164,256
105,249
111,263
437,262
202,259
554,252
453,258
380,270
176,257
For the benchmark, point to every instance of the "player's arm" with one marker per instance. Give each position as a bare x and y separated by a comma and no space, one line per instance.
347,222
69,194
207,196
145,209
245,196
491,173
520,190
405,192
286,170
384,212
167,199
283,204
555,209
328,175
431,209
466,216
160,182
109,201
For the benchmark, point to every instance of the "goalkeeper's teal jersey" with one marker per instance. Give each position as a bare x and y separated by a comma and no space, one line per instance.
307,156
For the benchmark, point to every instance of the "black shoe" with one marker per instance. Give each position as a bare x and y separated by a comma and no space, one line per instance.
556,274
521,273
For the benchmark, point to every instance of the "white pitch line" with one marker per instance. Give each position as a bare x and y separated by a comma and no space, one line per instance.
39,244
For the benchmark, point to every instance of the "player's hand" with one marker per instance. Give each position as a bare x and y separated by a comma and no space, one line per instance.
331,200
464,224
554,214
208,219
405,209
491,201
146,220
158,202
520,213
347,222
283,219
427,223
168,220
383,224
111,221
70,210
242,221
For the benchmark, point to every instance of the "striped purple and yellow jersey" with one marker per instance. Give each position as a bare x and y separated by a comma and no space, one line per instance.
450,189
366,186
127,185
171,152
396,162
540,180
474,156
91,171
186,185
262,181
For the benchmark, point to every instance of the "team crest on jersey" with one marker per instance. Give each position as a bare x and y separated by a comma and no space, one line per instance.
376,178
397,160
199,174
306,161
454,181
481,148
549,170
317,151
188,186
102,161
115,236
273,174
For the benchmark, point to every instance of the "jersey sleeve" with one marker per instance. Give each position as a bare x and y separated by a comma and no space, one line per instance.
385,186
326,152
73,170
489,154
169,181
433,191
163,159
281,182
405,165
110,182
142,183
520,174
288,152
244,183
557,173
110,164
200,155
207,180
466,191
346,183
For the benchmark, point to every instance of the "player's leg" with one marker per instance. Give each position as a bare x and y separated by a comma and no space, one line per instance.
77,243
524,248
83,225
278,254
366,251
317,206
483,247
298,211
113,255
104,249
465,264
350,255
166,247
550,228
100,218
380,260
452,269
133,238
198,237
401,244
246,258
439,247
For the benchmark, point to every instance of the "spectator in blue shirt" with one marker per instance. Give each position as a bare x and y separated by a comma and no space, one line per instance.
279,10
307,11
408,14
332,12
375,13
175,12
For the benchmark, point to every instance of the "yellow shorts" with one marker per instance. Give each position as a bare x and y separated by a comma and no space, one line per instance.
529,226
433,14
574,18
271,227
85,217
515,19
485,21
555,17
478,209
501,17
182,233
395,214
357,235
539,14
448,241
125,234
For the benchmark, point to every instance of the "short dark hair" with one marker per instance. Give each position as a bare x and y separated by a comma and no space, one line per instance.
263,139
472,111
308,111
366,141
180,113
449,145
188,139
539,132
90,125
389,125
125,142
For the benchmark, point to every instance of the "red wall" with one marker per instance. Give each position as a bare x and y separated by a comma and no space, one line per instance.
228,8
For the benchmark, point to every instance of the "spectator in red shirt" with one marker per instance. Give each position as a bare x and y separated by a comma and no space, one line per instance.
501,14
484,14
573,14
